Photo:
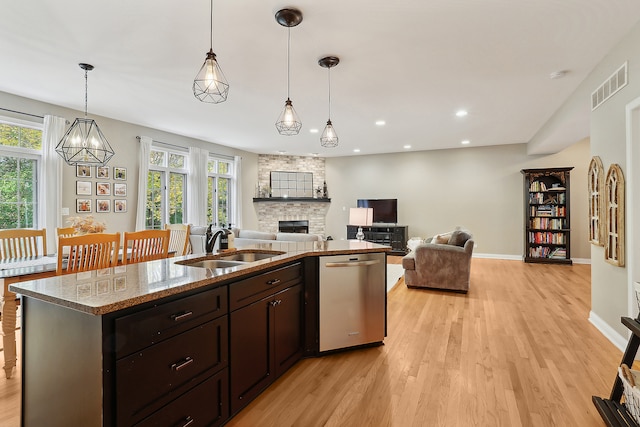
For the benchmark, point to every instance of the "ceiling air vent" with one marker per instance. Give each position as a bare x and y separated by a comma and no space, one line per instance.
614,83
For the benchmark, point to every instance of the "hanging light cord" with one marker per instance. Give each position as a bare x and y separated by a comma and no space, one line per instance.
288,60
211,28
85,92
329,93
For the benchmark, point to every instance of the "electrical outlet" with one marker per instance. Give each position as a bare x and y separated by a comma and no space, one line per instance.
64,211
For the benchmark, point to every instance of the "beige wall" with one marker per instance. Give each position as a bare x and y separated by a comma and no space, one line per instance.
479,188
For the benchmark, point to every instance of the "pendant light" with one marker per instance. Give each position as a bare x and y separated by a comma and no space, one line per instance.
329,139
288,122
210,84
84,143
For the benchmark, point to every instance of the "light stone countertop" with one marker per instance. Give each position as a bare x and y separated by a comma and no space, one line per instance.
100,292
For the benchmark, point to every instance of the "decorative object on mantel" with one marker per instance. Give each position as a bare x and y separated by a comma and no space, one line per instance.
84,143
291,199
86,224
329,139
614,234
210,84
596,201
288,122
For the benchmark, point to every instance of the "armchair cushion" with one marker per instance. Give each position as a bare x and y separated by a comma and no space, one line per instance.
459,238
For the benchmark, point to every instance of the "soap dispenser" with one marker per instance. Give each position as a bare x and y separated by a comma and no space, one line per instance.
231,237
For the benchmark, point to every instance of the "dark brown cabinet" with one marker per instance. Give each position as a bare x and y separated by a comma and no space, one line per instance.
266,331
547,219
392,235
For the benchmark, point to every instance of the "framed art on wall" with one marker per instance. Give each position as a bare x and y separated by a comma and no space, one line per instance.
102,172
103,205
119,205
103,188
83,188
119,174
119,190
83,171
83,205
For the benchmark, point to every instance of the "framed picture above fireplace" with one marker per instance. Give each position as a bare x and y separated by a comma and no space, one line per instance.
291,184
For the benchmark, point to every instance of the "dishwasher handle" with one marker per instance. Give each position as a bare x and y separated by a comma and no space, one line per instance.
352,263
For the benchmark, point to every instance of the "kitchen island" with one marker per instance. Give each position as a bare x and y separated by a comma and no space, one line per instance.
167,343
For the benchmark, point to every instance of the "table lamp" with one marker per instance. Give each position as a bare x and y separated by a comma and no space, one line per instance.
362,217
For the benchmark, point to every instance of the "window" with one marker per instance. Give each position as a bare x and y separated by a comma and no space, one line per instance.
219,198
614,242
20,161
166,188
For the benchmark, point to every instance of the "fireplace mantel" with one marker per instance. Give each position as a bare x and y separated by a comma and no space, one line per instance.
290,199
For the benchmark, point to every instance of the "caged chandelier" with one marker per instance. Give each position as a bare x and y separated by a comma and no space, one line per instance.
329,139
84,143
288,122
210,84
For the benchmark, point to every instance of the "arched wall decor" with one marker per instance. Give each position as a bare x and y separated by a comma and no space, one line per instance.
596,202
614,238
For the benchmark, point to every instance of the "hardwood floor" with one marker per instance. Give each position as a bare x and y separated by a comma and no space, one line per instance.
517,350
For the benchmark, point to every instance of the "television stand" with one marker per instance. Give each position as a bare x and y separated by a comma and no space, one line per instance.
385,234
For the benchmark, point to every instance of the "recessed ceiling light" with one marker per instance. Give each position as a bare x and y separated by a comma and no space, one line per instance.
465,142
461,113
282,152
314,154
558,74
380,123
356,150
406,147
313,130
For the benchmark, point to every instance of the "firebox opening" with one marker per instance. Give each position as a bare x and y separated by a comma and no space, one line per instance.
300,226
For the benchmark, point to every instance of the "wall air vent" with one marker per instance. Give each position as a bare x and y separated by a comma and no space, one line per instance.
614,83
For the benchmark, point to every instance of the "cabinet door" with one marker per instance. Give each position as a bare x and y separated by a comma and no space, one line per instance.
288,328
250,351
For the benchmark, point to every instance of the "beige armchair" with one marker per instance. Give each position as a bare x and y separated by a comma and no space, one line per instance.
440,265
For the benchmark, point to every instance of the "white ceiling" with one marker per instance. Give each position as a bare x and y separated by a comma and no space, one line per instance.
412,63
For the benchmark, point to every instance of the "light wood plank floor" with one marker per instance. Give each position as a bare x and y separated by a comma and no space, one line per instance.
517,350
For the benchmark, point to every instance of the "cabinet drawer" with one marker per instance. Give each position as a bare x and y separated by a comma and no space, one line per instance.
150,378
205,405
250,290
147,327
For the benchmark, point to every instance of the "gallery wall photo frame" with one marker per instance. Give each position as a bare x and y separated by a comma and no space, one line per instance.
83,188
83,171
102,172
103,205
119,174
119,205
119,189
103,188
83,205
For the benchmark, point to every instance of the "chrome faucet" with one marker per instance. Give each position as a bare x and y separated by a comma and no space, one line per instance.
211,237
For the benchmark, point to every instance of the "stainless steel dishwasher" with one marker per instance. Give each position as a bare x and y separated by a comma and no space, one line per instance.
353,300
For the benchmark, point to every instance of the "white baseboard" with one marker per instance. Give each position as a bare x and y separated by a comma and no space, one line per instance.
606,330
581,260
498,256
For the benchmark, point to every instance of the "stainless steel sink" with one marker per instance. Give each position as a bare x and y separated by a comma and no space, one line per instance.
249,256
213,263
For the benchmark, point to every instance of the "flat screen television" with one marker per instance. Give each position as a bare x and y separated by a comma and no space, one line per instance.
384,210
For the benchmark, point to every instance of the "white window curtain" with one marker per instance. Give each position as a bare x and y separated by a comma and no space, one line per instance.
50,192
237,174
197,186
143,161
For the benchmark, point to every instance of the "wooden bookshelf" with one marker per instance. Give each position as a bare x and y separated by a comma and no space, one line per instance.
547,219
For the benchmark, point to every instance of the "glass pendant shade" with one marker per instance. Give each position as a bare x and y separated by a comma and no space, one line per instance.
288,122
210,84
329,139
84,144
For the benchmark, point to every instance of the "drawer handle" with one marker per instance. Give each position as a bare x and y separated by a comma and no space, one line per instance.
273,281
188,422
276,302
177,366
179,317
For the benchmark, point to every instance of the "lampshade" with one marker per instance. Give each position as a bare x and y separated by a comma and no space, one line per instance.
362,217
288,122
84,143
210,84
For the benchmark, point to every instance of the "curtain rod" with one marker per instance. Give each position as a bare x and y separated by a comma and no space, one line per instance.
27,114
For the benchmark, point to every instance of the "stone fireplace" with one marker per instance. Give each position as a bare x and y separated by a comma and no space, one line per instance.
271,212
